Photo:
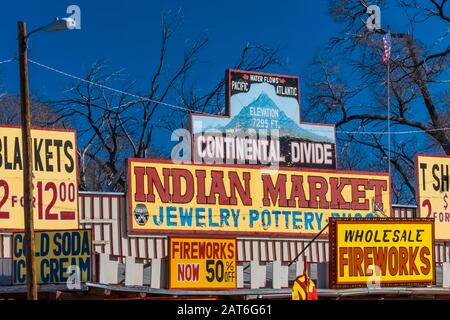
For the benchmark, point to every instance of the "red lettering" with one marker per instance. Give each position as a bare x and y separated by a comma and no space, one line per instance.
276,193
359,194
318,192
236,185
184,174
337,200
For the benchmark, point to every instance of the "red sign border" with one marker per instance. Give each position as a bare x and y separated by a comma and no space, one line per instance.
332,263
133,231
204,238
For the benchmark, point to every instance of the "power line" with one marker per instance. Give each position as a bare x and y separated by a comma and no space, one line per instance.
205,113
396,132
6,61
113,89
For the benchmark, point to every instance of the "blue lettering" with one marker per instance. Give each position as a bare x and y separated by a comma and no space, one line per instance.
186,217
319,218
85,268
224,215
63,269
161,217
199,217
235,215
18,245
254,216
309,217
265,213
66,243
85,248
286,217
45,245
76,243
53,270
276,213
44,272
171,216
56,241
296,218
19,271
210,218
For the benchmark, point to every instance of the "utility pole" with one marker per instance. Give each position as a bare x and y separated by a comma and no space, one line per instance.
27,163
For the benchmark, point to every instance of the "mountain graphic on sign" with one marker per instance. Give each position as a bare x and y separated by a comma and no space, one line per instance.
286,126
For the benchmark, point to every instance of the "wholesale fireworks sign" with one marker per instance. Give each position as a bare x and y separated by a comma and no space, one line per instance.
202,263
60,256
381,252
262,126
433,191
55,187
180,198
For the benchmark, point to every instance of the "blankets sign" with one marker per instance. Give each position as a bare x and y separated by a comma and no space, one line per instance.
55,192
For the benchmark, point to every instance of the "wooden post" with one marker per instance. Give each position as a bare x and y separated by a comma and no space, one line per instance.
27,162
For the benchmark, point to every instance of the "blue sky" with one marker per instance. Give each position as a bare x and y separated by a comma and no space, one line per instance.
126,35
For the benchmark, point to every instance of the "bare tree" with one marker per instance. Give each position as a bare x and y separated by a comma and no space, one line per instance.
42,114
114,124
348,85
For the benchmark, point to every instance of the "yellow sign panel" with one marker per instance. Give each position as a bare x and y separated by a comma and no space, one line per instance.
180,198
61,257
381,252
202,263
433,192
55,200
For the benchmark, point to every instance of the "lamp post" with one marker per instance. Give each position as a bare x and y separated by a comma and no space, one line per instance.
57,25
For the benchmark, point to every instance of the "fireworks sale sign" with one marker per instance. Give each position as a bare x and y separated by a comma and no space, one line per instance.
384,252
202,263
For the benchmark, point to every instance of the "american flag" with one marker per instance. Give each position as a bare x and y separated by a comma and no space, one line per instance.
387,47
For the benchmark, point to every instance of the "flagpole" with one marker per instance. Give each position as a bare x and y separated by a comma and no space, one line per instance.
389,105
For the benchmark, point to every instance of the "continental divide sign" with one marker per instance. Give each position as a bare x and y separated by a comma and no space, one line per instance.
381,252
164,197
55,188
262,126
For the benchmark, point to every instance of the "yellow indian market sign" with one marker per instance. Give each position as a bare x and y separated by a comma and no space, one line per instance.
202,263
55,188
381,252
433,192
169,198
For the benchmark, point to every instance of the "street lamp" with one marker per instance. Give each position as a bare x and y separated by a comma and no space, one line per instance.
57,25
